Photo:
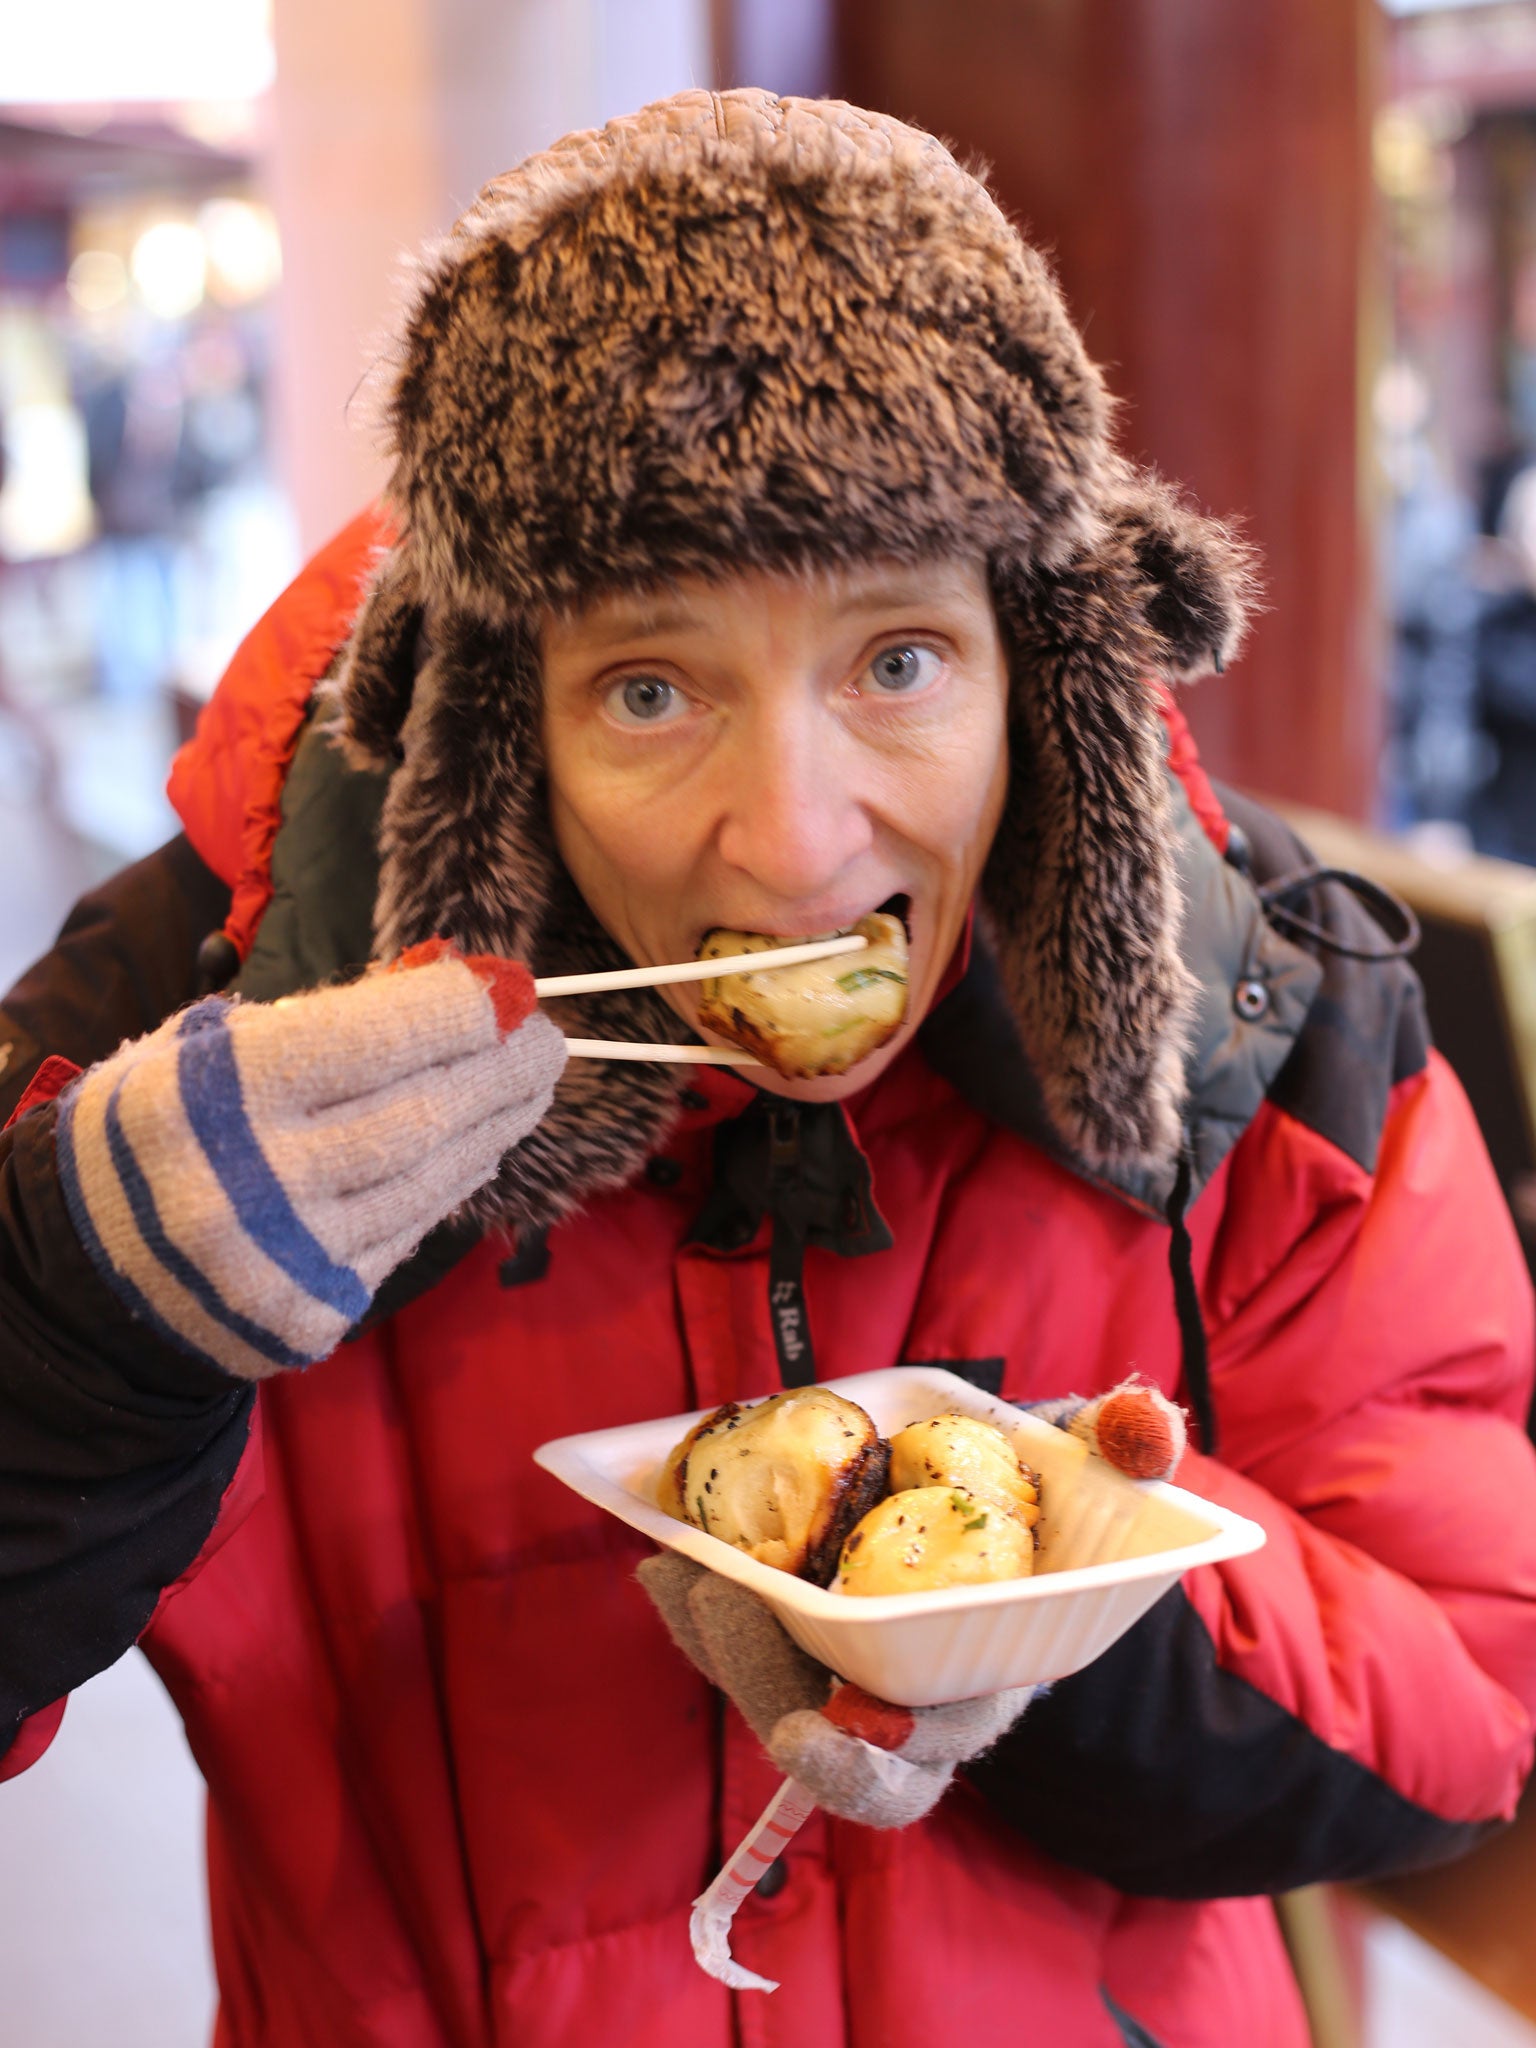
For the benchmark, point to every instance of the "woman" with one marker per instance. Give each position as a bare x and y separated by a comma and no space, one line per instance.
756,556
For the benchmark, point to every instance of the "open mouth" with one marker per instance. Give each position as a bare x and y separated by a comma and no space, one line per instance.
899,907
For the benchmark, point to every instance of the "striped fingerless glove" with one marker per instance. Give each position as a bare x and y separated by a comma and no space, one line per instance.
247,1175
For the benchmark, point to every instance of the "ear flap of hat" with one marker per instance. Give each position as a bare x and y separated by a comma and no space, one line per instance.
1201,579
375,675
1080,894
463,839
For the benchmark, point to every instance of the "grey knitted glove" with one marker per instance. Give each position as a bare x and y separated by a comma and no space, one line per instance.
861,1757
247,1175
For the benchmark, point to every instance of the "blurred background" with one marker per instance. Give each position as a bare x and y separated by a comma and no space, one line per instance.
1301,236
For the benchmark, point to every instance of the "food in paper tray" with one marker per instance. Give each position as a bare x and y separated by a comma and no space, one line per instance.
818,1018
797,1481
961,1450
784,1480
934,1536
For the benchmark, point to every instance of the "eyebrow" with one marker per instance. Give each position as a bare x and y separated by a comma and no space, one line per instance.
889,591
646,622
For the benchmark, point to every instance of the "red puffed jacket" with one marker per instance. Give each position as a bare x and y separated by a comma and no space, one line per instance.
462,1789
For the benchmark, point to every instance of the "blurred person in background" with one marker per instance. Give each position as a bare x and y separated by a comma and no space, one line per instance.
1505,812
757,556
1439,755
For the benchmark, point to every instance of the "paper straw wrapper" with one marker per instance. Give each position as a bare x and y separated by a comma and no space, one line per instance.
714,1910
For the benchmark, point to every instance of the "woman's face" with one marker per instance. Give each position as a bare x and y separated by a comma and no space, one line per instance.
781,753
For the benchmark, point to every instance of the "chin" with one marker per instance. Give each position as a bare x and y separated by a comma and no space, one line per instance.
830,1087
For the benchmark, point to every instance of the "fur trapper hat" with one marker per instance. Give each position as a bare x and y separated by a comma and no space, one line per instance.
736,332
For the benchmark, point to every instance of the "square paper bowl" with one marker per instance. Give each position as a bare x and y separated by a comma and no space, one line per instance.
1109,1547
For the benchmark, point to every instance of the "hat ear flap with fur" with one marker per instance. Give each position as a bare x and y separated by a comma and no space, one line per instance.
1080,895
463,836
373,681
1202,580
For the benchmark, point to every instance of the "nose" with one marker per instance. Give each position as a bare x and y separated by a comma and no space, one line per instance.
795,815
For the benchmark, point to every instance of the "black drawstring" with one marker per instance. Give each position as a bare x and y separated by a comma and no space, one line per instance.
786,1255
1186,1301
1390,912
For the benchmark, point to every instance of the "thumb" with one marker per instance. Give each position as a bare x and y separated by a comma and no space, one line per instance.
507,982
1134,1428
851,1779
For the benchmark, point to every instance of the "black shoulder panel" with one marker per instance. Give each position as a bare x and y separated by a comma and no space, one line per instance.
124,959
1366,1029
115,1451
1164,1775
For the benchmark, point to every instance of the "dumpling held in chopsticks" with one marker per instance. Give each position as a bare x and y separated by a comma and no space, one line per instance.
817,1018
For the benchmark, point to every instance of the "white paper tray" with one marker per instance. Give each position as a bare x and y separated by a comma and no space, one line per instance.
1109,1547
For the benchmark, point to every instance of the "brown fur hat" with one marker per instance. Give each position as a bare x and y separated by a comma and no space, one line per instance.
731,332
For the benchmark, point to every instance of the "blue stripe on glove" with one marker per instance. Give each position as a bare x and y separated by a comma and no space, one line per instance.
210,1094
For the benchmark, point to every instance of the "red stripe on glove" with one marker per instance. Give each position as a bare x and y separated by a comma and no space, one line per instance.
876,1722
507,982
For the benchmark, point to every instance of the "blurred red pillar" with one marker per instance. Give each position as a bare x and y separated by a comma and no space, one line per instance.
1201,170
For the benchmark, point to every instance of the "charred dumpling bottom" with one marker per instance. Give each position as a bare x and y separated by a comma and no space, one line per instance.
818,1018
805,1482
784,1480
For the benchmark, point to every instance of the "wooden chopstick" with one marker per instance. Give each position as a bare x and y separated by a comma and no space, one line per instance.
678,1055
696,970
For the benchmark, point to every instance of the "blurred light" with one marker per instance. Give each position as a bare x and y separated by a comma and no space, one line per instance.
98,280
1444,116
245,258
154,50
1404,158
230,125
170,268
45,508
1517,521
1401,400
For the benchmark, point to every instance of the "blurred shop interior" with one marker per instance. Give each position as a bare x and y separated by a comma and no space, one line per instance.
1301,238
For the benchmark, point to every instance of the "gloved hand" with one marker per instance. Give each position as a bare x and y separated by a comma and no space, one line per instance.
861,1757
247,1175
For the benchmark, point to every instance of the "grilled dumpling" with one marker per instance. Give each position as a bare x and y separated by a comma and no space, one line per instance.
783,1480
929,1537
962,1450
819,1017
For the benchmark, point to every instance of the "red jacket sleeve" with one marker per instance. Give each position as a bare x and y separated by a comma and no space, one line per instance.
1373,1384
1357,1697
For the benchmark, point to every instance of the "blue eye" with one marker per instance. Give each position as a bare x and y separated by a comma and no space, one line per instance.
644,700
902,670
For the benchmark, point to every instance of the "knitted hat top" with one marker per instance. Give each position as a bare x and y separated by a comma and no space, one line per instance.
737,332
